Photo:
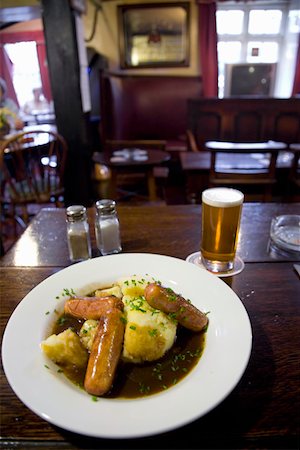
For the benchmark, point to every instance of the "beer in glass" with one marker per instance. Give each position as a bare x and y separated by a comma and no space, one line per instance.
221,213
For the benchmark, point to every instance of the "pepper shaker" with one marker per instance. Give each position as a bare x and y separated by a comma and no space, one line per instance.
78,234
107,228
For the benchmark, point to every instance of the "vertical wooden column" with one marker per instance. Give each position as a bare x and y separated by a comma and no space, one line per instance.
72,122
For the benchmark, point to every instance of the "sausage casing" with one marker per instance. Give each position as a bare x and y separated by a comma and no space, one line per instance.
183,311
105,353
91,307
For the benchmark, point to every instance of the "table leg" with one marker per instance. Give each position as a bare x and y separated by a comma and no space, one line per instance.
151,185
113,185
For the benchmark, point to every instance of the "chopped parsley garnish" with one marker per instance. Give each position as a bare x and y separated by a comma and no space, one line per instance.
66,292
171,295
61,320
173,316
153,332
137,303
144,389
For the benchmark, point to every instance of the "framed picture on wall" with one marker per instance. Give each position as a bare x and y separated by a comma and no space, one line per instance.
154,35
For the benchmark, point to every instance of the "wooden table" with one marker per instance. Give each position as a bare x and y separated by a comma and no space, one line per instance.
132,164
262,412
196,166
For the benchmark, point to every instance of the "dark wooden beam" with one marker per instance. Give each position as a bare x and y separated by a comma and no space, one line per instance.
64,71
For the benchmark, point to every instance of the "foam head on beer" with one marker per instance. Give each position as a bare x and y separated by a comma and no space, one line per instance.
221,212
222,197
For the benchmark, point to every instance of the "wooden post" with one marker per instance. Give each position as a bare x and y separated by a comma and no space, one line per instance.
72,122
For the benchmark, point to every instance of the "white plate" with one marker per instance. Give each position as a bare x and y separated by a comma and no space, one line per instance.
51,396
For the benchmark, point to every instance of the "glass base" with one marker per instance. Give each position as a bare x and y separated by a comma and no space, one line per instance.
217,266
105,252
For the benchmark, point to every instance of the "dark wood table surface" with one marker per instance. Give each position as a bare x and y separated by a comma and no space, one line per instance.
262,412
141,231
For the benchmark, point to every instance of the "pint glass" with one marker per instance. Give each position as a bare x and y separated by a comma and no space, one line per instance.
221,213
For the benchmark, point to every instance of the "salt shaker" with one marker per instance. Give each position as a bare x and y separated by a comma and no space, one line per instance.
107,228
79,242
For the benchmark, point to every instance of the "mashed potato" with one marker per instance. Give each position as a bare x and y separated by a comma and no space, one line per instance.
134,285
114,290
149,333
87,333
65,349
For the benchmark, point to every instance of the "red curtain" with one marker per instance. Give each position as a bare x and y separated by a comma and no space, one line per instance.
208,47
42,57
296,87
38,37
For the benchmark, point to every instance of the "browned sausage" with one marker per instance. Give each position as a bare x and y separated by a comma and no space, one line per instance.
105,353
167,301
91,307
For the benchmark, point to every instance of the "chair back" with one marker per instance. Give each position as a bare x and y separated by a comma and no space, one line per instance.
294,175
244,164
33,166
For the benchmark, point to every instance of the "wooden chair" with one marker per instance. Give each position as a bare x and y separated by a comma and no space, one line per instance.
244,165
294,175
32,165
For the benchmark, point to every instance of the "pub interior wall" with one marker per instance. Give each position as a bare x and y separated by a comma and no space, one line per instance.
106,39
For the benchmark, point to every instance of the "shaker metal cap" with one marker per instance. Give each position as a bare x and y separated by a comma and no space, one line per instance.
105,206
76,212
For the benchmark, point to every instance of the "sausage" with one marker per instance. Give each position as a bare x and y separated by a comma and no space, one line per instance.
91,307
105,353
167,301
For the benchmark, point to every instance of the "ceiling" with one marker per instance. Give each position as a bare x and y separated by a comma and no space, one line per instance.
9,16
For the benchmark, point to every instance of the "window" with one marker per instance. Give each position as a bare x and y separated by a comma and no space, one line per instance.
264,21
26,70
258,32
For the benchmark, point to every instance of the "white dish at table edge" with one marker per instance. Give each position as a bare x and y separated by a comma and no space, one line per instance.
54,398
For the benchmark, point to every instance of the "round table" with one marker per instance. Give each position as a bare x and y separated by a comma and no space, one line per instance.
133,161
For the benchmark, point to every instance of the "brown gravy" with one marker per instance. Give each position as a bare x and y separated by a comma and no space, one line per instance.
139,380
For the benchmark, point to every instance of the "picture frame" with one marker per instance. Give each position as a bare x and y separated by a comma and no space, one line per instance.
154,35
